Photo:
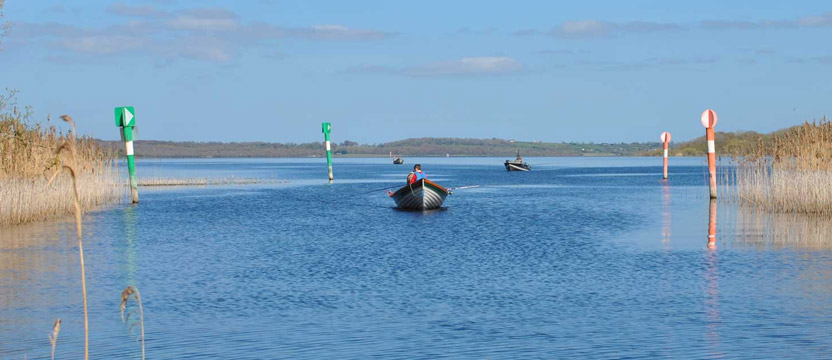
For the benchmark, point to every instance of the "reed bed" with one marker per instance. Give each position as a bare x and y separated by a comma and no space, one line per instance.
31,200
28,157
152,182
789,173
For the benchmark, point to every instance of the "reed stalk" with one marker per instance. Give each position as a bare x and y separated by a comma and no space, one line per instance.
67,155
53,337
129,292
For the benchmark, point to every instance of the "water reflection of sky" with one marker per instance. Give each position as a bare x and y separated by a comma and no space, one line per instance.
578,258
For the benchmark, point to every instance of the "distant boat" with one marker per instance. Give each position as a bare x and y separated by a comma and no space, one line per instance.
421,195
517,164
398,161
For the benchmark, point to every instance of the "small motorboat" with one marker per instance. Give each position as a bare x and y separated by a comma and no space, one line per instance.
517,164
420,195
398,161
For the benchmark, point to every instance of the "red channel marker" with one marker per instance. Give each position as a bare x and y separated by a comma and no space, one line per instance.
709,121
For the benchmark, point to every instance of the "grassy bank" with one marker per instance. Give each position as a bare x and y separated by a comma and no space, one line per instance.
789,173
28,158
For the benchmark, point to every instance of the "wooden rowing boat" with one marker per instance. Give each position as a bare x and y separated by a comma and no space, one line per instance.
517,164
421,195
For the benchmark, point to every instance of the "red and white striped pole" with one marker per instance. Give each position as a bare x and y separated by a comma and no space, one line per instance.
666,141
712,225
709,121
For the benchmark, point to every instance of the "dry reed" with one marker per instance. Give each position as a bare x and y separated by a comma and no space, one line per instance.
53,337
27,156
789,173
31,200
129,292
67,155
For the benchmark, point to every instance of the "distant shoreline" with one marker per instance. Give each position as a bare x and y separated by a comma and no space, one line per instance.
727,143
359,156
418,147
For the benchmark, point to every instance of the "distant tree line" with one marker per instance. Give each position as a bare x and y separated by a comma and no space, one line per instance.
407,147
727,143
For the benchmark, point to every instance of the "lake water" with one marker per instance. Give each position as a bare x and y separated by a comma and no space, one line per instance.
580,258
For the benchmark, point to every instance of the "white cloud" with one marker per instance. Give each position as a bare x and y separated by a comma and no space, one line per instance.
55,9
823,20
213,19
581,29
314,32
825,60
487,65
467,66
649,63
374,69
595,28
525,32
200,48
207,34
336,32
816,21
103,44
136,11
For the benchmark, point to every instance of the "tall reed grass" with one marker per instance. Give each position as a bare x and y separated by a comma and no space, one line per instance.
28,156
791,172
67,156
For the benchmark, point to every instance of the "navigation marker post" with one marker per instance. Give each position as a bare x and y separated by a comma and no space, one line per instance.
126,119
712,224
709,121
665,137
326,128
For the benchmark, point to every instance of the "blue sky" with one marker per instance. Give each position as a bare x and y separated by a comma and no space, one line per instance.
261,70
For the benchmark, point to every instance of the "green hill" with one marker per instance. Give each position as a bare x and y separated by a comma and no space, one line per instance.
407,147
727,143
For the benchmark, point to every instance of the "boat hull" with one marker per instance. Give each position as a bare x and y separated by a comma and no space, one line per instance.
421,195
517,166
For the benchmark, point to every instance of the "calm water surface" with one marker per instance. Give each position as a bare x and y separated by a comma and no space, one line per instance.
581,258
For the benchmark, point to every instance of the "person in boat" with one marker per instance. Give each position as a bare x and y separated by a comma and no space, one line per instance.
416,174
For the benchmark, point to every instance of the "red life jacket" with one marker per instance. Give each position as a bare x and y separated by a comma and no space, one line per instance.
415,176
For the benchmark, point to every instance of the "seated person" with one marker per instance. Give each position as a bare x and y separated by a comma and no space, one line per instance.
416,175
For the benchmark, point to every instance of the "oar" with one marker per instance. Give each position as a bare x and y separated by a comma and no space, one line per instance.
451,190
374,190
464,187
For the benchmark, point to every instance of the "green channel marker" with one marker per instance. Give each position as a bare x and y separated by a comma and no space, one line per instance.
126,119
326,128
